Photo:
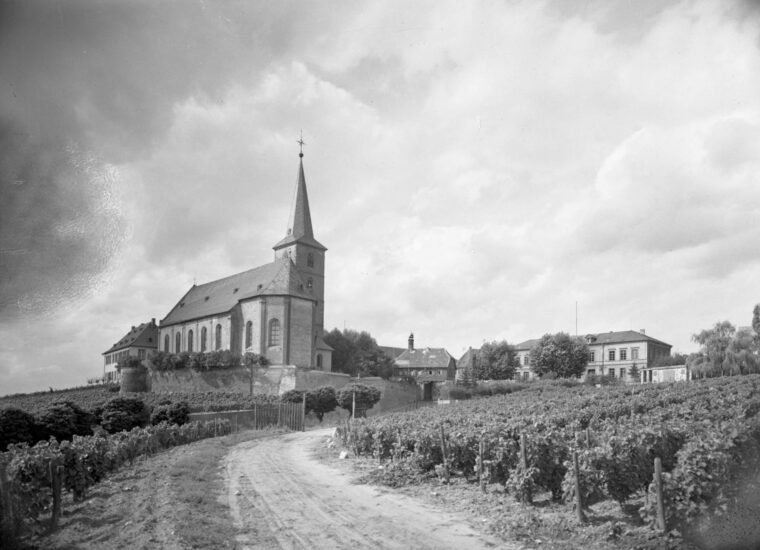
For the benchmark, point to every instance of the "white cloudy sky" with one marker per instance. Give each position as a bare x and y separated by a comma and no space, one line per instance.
475,168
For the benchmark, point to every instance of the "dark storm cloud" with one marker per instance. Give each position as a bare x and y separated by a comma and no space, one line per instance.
85,84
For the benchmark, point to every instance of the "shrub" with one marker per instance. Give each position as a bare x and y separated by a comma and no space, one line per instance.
320,401
124,413
173,413
366,397
459,393
16,426
63,420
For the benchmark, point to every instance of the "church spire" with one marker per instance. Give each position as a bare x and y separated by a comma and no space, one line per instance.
299,225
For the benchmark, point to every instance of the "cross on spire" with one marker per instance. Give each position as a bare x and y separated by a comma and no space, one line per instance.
301,143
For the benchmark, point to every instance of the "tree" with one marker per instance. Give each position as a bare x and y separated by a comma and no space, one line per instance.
634,373
366,397
357,353
712,357
756,324
495,361
321,400
560,353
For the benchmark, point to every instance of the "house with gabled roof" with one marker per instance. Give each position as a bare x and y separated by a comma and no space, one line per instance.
275,310
139,342
429,367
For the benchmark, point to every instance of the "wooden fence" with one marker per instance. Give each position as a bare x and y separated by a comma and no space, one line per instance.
283,415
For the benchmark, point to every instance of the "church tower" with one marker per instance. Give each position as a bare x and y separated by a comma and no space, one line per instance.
306,252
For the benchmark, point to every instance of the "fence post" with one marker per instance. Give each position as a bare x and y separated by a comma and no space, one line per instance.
303,412
7,520
255,417
658,488
279,414
56,481
443,452
578,494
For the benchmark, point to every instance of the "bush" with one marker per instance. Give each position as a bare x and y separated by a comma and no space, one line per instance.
124,413
63,420
459,393
16,426
366,397
321,400
173,413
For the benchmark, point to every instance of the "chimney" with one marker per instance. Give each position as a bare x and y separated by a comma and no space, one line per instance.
153,321
642,331
411,342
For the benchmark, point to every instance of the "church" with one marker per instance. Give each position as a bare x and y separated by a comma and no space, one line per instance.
275,310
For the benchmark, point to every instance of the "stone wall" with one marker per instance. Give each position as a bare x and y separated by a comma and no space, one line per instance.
276,380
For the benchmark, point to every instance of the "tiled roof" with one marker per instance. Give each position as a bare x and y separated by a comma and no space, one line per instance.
216,297
299,225
468,359
142,336
612,337
392,352
623,337
427,358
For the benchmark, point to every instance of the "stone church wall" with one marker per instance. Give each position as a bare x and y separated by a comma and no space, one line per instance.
301,316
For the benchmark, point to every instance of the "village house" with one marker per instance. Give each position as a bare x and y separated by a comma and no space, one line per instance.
139,342
429,367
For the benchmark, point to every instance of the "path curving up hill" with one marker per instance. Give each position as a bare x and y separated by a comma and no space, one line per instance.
281,496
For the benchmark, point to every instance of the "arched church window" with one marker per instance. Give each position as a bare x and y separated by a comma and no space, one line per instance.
178,343
248,334
203,339
310,259
319,360
274,332
190,341
166,343
218,341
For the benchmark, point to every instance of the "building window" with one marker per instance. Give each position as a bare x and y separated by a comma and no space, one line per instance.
319,360
591,356
611,373
634,353
166,343
591,372
141,354
622,373
310,259
177,343
611,355
248,334
274,332
190,341
203,339
309,283
218,341
623,354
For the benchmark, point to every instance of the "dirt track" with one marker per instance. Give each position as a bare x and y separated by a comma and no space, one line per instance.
280,496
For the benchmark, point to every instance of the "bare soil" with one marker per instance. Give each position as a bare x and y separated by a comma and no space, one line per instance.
282,496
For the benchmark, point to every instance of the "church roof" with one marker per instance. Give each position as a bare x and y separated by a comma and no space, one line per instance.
141,336
279,278
299,224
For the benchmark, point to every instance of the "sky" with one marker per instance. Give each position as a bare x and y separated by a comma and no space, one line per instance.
476,169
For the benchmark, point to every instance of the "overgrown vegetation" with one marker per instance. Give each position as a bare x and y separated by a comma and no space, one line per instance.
204,361
319,401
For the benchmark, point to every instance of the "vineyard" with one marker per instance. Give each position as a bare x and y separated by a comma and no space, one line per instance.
706,436
92,398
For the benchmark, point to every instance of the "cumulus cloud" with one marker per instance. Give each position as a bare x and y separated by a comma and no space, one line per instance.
473,170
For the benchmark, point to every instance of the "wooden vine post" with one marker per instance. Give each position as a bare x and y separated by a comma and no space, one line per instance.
56,478
658,489
481,475
445,459
524,463
578,494
279,414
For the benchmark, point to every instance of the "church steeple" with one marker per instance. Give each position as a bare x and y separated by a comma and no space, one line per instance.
299,225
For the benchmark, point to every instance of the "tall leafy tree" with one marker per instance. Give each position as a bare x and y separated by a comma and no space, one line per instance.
712,359
564,355
495,361
357,353
756,324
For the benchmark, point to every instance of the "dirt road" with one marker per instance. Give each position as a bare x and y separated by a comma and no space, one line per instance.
281,496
